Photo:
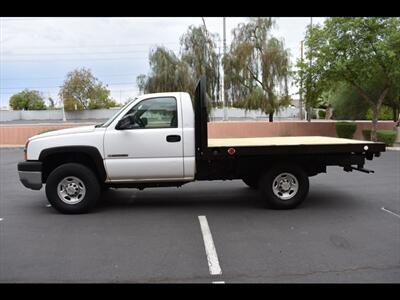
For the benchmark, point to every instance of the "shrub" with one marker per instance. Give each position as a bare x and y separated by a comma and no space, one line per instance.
345,129
321,114
386,113
313,114
366,134
386,136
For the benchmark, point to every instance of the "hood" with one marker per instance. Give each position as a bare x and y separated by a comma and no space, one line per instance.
80,129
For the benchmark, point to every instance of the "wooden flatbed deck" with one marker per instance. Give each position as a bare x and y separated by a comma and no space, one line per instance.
282,141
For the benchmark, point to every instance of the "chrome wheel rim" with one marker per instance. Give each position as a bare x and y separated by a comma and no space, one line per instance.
71,190
285,186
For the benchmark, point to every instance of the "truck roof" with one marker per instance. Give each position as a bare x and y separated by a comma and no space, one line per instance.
168,94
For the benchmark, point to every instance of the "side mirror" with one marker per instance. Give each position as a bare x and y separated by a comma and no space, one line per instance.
123,123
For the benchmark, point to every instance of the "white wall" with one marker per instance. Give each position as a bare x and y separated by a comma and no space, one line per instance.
9,115
102,114
16,115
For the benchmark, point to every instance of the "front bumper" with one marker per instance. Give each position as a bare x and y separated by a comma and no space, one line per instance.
30,174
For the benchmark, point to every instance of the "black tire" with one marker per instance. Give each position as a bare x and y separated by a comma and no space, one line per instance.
285,172
251,182
105,188
90,185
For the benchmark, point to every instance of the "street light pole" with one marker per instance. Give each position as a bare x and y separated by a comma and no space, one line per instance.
222,73
309,104
301,85
63,110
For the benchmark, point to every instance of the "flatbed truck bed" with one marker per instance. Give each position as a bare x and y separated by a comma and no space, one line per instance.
292,145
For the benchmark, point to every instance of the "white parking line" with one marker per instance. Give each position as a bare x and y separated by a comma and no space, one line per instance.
212,257
218,282
390,212
1,219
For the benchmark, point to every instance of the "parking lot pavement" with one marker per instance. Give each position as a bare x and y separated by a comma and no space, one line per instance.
348,230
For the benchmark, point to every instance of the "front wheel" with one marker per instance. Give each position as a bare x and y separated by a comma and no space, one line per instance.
284,187
72,188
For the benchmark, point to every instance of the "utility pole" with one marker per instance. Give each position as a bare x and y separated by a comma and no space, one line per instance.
309,104
219,73
222,73
206,31
301,85
63,111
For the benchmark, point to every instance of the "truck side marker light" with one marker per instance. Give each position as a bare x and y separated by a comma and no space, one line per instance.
231,151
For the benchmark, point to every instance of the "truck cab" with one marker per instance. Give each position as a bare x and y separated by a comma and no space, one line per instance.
152,141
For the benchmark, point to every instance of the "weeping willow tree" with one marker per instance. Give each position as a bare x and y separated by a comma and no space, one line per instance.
198,50
168,74
257,68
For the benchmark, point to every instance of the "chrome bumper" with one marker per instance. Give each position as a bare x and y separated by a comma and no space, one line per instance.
30,174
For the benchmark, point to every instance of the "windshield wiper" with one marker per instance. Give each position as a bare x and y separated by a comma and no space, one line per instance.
98,125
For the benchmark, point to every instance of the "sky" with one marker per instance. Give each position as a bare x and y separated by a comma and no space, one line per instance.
37,53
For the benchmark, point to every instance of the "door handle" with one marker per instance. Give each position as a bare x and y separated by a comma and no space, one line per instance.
173,138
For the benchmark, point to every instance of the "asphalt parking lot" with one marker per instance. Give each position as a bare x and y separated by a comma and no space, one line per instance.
348,230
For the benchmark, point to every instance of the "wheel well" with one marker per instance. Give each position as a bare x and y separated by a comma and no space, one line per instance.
311,168
52,161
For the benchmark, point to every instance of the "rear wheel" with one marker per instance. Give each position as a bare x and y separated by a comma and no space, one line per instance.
72,188
284,187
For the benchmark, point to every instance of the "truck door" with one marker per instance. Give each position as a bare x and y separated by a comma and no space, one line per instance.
148,145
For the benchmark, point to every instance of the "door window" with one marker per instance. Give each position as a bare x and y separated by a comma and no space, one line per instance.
152,113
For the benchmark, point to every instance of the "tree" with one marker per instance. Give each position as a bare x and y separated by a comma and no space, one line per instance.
100,97
52,104
312,85
167,74
257,68
392,100
349,105
346,102
141,82
81,90
27,100
172,73
199,53
363,52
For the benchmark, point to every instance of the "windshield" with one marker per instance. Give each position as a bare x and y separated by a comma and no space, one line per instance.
116,115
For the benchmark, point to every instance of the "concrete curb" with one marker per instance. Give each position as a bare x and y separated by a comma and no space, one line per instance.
11,146
393,148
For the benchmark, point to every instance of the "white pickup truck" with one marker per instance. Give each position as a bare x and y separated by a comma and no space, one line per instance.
161,140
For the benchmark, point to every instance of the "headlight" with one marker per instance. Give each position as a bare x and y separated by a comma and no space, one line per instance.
26,150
